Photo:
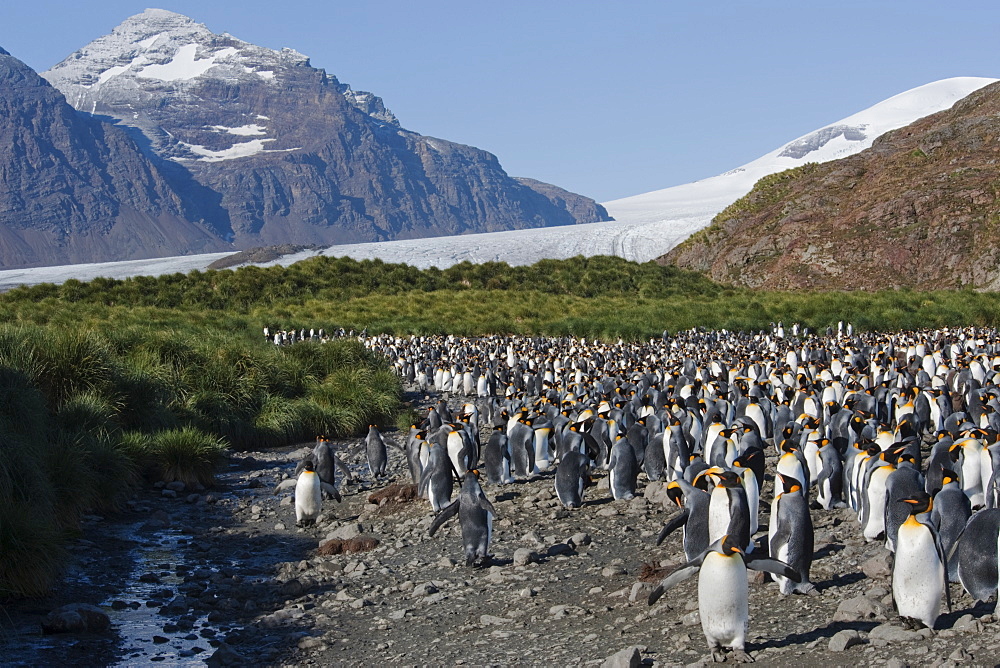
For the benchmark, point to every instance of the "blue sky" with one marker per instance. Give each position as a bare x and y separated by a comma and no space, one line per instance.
605,99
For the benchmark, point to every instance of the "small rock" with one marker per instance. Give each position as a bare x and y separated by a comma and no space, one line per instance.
176,486
892,634
310,642
879,566
843,640
523,556
691,619
280,526
225,655
579,539
531,537
168,494
626,658
612,571
346,531
493,620
853,609
76,618
640,591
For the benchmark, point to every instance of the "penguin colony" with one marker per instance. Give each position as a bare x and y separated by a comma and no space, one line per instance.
904,429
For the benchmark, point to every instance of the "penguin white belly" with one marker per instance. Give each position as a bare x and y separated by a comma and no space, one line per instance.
489,530
825,493
755,413
542,450
753,500
308,496
433,498
722,600
972,480
811,452
785,585
918,574
876,503
718,514
455,446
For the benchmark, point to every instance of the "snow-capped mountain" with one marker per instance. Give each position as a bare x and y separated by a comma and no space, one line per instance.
75,189
284,152
646,225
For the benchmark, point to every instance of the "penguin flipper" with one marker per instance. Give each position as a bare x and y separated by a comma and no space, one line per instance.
774,566
678,576
485,504
343,467
331,490
285,484
446,514
393,443
678,520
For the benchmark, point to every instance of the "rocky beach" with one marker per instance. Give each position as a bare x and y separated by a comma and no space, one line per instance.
223,576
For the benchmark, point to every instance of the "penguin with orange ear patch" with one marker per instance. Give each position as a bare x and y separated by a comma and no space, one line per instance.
790,533
919,572
723,592
475,516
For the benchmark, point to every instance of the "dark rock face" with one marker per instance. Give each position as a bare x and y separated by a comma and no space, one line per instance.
918,209
294,155
73,189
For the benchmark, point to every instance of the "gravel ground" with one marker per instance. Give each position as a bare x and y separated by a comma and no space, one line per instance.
243,586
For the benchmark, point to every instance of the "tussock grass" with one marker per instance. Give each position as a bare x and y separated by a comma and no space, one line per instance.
188,455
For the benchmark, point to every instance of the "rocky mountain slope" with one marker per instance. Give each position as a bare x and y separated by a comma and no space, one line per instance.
918,209
73,189
292,154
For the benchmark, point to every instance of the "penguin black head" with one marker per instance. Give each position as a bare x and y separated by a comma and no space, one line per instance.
730,546
948,476
789,485
920,502
307,465
727,478
675,494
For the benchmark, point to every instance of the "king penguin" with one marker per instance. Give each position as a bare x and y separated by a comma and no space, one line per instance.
790,534
693,517
951,512
919,572
977,554
309,488
571,475
723,596
475,516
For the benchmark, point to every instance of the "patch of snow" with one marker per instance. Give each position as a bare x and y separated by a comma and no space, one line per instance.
184,64
118,69
265,74
241,150
148,42
243,131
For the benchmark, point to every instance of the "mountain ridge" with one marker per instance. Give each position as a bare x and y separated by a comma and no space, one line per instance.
296,155
917,209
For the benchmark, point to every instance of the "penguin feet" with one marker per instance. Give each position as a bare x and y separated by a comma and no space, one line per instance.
740,656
